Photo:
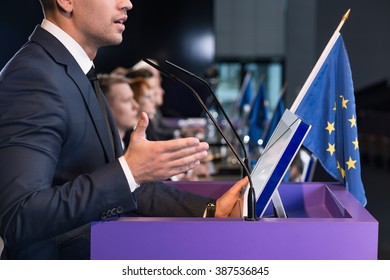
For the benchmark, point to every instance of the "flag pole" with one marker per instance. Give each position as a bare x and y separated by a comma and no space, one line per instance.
319,63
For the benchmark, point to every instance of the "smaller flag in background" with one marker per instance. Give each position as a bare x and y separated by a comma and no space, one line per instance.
258,115
273,122
246,92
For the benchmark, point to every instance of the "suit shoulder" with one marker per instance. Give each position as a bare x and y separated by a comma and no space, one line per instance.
31,55
31,62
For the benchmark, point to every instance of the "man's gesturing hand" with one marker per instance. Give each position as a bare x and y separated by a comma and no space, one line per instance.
151,161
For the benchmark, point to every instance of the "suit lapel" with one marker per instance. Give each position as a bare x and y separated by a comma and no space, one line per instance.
61,55
118,150
94,109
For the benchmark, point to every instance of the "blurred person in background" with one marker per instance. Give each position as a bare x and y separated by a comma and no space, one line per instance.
120,98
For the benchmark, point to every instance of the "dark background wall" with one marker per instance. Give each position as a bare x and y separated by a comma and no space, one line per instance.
179,31
16,24
170,29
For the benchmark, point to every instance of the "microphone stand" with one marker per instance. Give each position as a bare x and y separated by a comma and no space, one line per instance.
251,202
245,159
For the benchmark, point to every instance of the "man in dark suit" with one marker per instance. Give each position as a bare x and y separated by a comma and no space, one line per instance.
61,160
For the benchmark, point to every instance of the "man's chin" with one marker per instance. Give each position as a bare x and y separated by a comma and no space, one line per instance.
113,41
118,41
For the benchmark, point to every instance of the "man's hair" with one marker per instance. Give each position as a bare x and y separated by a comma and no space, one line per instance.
107,80
138,85
132,73
139,73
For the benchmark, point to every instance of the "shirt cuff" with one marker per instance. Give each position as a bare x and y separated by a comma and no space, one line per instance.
129,176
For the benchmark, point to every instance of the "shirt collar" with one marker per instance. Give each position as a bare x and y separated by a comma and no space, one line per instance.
70,44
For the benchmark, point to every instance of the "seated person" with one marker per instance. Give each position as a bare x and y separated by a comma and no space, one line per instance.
154,80
120,98
145,98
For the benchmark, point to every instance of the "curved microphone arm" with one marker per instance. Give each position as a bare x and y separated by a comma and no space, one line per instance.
251,193
246,162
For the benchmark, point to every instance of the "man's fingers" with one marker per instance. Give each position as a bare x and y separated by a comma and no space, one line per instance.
142,124
176,169
184,164
184,143
186,153
189,154
239,187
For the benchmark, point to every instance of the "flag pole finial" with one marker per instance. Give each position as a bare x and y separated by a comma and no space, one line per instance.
343,19
346,15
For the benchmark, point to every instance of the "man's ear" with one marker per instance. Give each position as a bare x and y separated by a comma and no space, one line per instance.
65,5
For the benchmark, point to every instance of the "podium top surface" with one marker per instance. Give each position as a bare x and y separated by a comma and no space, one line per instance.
301,200
324,222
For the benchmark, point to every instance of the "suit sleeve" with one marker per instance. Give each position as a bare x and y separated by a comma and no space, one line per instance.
33,128
162,200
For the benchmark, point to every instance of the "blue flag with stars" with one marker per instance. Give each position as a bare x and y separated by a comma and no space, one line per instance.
329,106
258,115
246,92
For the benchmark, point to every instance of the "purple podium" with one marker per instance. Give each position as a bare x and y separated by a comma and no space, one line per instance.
325,222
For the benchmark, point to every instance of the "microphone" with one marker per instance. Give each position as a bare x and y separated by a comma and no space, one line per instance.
245,159
251,202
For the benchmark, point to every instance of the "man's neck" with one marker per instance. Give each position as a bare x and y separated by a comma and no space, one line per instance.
70,44
68,27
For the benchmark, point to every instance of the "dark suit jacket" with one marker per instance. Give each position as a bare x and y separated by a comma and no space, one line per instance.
57,169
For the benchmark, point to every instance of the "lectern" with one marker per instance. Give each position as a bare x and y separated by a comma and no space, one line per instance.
325,222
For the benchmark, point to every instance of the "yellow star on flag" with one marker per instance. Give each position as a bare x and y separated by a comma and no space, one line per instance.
344,102
331,149
356,143
351,163
352,121
342,171
330,127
